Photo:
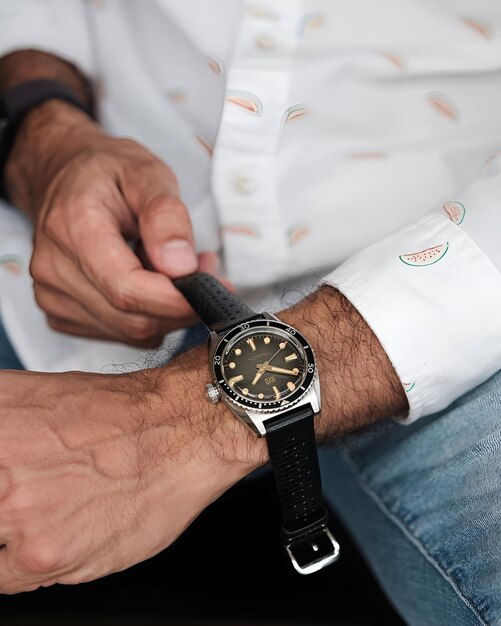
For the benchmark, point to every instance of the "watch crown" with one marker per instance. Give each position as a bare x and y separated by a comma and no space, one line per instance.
212,392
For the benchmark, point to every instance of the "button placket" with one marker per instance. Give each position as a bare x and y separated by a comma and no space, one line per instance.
243,175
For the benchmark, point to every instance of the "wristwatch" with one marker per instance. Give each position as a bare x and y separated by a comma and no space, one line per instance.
265,372
18,101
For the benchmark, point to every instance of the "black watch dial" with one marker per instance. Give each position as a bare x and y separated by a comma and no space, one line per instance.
264,366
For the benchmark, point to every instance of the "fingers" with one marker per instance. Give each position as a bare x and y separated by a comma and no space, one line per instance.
210,262
166,233
87,278
73,305
116,272
164,221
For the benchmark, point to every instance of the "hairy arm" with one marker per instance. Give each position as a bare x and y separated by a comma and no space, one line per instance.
99,472
358,383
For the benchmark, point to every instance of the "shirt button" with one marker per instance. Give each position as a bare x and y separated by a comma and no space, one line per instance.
265,42
245,185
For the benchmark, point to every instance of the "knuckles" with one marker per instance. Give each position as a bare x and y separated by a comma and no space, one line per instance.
41,558
120,296
57,324
142,329
52,223
39,266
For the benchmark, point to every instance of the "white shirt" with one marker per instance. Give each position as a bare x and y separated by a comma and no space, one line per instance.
353,143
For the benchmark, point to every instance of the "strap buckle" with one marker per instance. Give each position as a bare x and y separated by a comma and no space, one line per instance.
314,551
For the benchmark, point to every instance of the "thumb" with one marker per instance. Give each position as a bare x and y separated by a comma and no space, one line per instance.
165,229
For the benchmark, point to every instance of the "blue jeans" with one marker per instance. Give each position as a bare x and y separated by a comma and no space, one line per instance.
8,358
423,502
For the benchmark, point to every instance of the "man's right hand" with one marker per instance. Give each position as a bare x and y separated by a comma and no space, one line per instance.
89,194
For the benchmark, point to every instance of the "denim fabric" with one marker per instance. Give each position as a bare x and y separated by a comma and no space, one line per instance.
8,358
424,504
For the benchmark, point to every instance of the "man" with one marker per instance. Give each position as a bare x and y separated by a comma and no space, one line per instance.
305,140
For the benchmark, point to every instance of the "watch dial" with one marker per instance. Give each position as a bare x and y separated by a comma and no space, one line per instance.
264,366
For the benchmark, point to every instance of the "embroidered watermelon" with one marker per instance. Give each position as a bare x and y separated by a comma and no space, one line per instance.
408,386
295,112
482,28
245,100
455,211
425,257
12,264
443,105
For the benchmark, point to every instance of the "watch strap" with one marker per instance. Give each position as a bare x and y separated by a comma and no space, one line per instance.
217,307
18,101
294,459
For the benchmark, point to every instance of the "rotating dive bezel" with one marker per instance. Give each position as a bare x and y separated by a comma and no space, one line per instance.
256,326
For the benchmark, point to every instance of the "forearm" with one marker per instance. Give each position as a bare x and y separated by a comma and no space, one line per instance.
47,133
358,383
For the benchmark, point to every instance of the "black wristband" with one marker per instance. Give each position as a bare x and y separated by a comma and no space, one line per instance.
17,102
218,308
290,436
294,459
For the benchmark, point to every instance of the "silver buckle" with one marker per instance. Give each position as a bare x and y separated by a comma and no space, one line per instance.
320,558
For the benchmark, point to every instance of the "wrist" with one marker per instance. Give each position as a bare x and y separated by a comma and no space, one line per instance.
222,448
359,385
48,137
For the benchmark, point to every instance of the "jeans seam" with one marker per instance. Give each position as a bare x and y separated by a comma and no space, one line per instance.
412,538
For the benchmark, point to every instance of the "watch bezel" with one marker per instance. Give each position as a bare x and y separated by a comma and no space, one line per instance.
263,406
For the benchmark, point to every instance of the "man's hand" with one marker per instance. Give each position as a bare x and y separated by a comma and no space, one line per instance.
88,194
98,472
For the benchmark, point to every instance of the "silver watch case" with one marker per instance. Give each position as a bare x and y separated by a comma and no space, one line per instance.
255,418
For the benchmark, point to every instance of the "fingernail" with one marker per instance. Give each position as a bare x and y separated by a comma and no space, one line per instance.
178,257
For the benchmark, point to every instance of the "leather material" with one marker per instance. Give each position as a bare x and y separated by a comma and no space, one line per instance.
217,307
294,459
290,437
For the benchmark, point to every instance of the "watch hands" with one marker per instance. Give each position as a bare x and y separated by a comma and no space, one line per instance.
277,370
262,367
257,376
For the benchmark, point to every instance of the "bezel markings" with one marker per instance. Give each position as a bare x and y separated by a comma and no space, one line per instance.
271,405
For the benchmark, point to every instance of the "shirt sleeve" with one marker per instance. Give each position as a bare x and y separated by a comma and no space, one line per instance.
431,292
59,27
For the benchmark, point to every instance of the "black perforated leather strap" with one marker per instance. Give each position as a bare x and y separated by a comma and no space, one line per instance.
217,307
294,459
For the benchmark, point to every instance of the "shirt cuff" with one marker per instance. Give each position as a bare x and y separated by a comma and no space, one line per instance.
433,299
58,27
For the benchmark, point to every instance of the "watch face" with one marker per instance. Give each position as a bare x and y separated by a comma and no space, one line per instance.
264,364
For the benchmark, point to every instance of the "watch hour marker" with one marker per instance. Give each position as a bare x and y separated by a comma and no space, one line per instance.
238,352
260,396
291,357
232,365
251,343
266,340
295,370
282,345
276,391
235,379
291,386
245,391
